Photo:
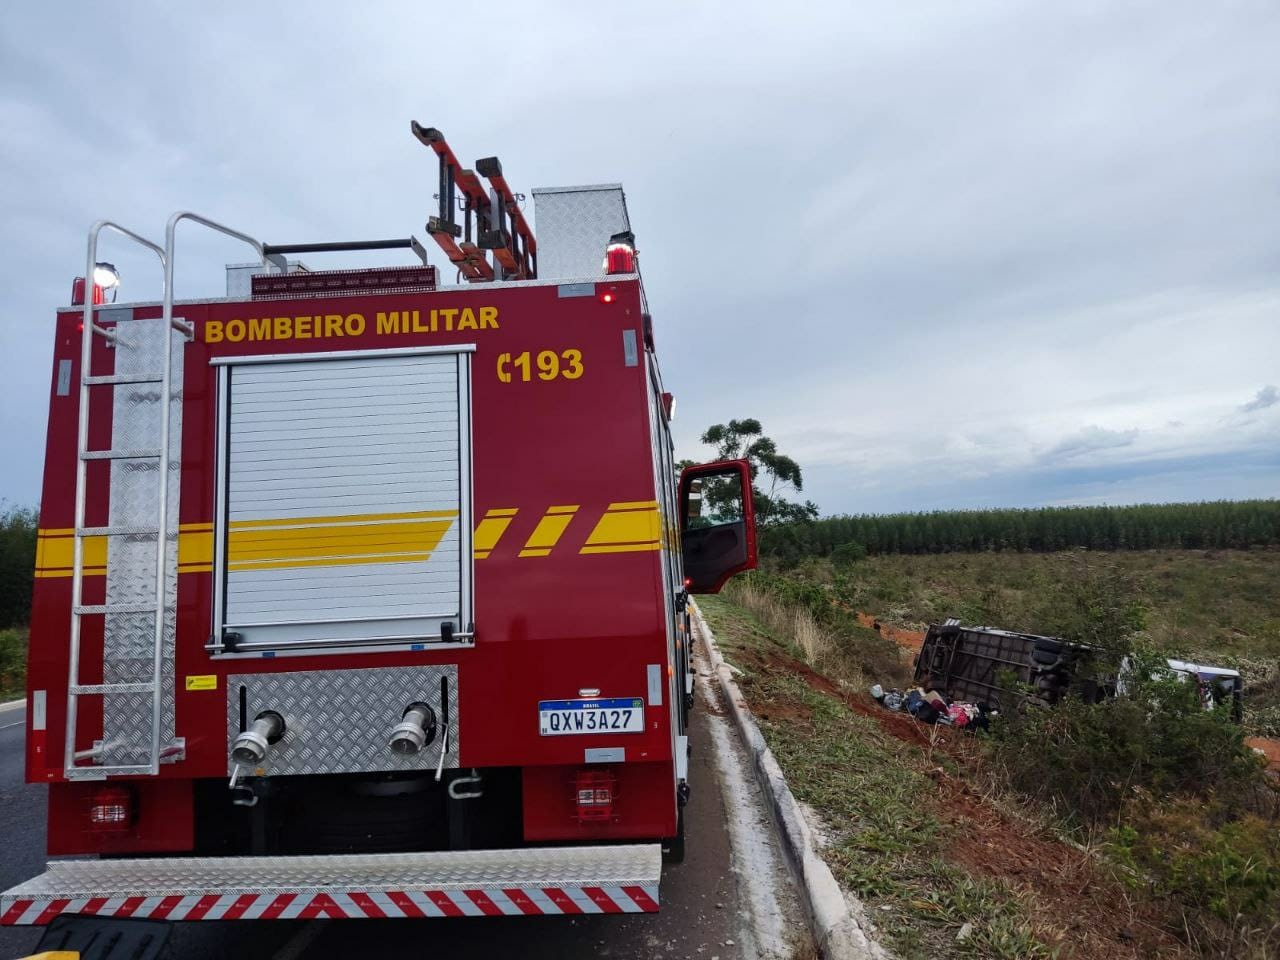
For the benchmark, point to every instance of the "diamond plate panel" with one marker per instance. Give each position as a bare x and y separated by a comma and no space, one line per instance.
574,226
175,876
338,721
131,577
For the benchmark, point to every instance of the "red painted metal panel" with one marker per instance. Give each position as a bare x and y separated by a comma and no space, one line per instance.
644,805
163,810
547,625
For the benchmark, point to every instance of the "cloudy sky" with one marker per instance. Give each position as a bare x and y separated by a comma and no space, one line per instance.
951,254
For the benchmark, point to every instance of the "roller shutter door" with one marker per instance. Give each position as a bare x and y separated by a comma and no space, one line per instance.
347,499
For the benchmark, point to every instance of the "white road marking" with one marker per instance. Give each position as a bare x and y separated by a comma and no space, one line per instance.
9,707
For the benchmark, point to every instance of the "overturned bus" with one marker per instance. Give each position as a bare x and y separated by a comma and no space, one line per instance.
990,665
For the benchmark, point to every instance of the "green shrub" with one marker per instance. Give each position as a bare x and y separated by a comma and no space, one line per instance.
17,563
847,554
1087,759
1223,878
13,662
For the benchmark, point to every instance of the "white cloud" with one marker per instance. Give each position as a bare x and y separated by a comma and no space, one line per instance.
1090,440
1264,398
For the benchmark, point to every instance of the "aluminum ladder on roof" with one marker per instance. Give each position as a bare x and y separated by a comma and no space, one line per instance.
138,609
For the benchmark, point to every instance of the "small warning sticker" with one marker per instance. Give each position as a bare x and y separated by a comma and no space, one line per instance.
208,681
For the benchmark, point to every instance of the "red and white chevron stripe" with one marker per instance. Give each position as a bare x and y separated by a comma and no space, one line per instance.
354,904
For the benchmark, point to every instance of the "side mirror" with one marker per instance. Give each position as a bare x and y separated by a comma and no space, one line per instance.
717,524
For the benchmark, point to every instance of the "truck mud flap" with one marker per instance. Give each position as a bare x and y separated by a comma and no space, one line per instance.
471,883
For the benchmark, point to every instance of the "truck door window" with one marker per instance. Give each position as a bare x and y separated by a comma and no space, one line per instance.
714,501
717,524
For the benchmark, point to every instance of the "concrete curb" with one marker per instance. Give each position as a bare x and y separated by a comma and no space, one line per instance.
838,926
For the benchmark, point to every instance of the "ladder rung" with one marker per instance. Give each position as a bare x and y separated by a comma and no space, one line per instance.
118,530
91,608
98,773
80,688
113,378
120,455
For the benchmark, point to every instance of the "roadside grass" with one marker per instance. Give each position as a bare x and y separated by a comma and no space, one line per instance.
1194,860
13,663
1222,601
879,804
1219,606
828,639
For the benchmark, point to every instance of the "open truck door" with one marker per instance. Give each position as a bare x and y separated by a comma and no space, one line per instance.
717,523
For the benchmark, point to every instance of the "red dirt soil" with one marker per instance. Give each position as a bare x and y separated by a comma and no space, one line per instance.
911,640
1090,914
1269,748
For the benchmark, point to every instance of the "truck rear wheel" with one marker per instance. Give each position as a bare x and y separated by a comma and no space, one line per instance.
673,847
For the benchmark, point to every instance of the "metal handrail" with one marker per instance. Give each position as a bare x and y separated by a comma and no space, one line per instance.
88,329
162,541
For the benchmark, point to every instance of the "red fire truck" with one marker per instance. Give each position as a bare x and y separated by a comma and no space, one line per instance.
359,595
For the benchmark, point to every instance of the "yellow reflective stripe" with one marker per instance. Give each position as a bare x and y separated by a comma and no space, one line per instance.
298,543
66,572
342,519
490,530
55,553
622,548
548,531
195,548
328,561
625,526
408,531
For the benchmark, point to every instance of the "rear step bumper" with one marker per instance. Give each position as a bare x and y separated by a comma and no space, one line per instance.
545,880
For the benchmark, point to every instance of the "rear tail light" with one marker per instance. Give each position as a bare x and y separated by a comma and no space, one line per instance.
111,810
595,794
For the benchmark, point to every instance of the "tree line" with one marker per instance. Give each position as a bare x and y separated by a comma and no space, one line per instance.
17,563
1218,524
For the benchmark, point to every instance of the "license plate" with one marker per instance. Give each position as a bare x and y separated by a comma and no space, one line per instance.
560,717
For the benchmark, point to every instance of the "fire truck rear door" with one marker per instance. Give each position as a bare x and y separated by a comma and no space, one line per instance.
345,499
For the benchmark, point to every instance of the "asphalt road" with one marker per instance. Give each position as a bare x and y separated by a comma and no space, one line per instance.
21,823
708,902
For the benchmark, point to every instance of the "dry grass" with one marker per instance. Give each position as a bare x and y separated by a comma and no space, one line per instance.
815,645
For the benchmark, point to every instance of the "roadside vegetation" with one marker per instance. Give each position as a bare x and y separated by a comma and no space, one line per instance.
17,563
1221,524
941,873
1216,606
17,566
13,664
1166,819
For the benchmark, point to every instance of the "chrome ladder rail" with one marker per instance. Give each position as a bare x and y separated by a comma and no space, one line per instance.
152,687
79,609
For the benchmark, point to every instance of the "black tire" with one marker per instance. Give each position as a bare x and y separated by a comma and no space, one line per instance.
673,847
